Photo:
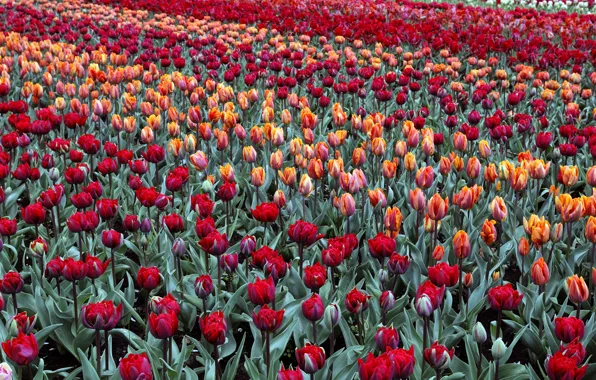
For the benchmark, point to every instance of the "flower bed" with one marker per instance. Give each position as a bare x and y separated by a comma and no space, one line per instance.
323,189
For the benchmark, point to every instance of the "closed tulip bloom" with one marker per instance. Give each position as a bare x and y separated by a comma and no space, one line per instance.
488,233
442,274
567,329
438,356
305,187
215,243
393,219
198,160
315,276
164,325
410,162
34,213
461,245
504,297
313,308
590,231
568,175
11,283
73,270
498,209
356,301
203,286
304,233
96,267
437,207
425,177
261,292
148,278
386,337
310,358
135,367
101,315
111,239
266,212
523,247
268,319
22,350
257,176
381,246
562,367
540,272
347,205
577,289
214,328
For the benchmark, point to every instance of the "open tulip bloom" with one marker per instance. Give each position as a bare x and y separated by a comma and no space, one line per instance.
387,189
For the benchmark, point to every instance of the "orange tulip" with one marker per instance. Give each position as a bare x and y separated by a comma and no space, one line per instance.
461,244
288,176
489,232
393,219
467,197
437,207
438,253
347,205
425,177
305,187
417,200
518,179
568,175
577,289
498,209
540,273
523,247
591,176
590,231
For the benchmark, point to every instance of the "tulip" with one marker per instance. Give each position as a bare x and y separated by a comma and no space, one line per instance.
386,337
289,374
214,327
560,366
437,207
540,273
315,277
438,357
135,367
568,329
262,292
22,350
503,298
310,358
443,274
577,290
100,316
305,234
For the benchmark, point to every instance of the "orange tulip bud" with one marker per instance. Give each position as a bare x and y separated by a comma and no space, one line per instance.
577,289
199,160
438,207
393,219
431,225
540,272
568,175
489,232
438,253
523,247
347,205
468,280
417,200
498,209
306,187
461,244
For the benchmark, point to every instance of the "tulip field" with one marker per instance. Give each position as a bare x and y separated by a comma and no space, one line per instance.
297,189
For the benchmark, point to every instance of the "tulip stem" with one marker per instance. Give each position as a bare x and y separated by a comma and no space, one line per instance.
267,352
479,364
113,265
461,284
497,370
314,331
438,374
579,307
217,368
98,351
219,274
499,317
14,303
301,253
105,336
164,352
74,299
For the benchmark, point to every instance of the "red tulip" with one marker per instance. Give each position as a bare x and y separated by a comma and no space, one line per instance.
148,278
265,212
202,204
135,367
111,238
569,328
356,301
561,367
444,274
398,264
310,358
101,315
22,350
267,319
163,326
332,257
261,292
81,200
165,305
215,243
504,297
376,368
21,323
434,293
203,286
438,356
204,227
34,213
381,246
154,154
173,222
315,276
131,223
107,208
54,268
313,308
95,267
302,232
227,191
8,227
386,337
74,270
11,283
289,374
214,327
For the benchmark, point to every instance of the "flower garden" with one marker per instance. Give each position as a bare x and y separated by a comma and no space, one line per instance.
299,189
